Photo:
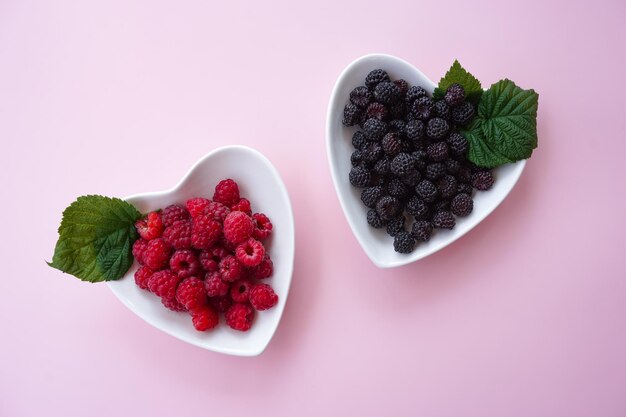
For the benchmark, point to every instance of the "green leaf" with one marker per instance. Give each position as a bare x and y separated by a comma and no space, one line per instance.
505,128
96,238
457,74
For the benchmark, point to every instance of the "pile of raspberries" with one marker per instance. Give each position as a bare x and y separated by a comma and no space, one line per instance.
410,158
207,258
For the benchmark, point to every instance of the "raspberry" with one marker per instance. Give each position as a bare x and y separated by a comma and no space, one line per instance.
360,96
414,93
461,205
403,242
250,253
415,129
238,226
262,297
402,164
374,220
402,85
163,284
243,205
435,171
392,144
374,77
437,151
217,210
443,220
447,186
370,195
173,213
382,167
262,270
139,249
184,263
214,285
464,188
262,226
204,318
387,207
482,180
422,108
239,291
191,293
417,208
397,189
386,92
372,153
358,140
351,115
359,177
421,230
455,94
221,304
426,190
142,275
157,254
178,235
458,144
374,129
412,178
437,128
206,231
239,317
441,109
463,113
230,268
150,227
173,304
376,111
198,206
210,259
226,192
395,226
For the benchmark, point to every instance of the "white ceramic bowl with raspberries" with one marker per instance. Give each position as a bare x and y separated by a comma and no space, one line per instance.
260,183
375,242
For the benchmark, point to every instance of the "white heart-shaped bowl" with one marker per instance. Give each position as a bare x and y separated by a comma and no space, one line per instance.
259,182
375,242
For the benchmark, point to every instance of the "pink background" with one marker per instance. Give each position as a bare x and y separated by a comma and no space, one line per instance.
524,316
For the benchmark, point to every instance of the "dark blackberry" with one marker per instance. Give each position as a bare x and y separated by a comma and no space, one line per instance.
370,195
382,167
443,220
440,205
437,151
416,207
374,129
415,92
396,188
374,220
361,96
402,85
415,129
358,140
376,111
402,164
458,144
372,153
356,158
452,166
397,125
392,144
395,226
397,110
378,180
464,174
461,205
421,158
435,171
422,108
482,180
386,92
359,177
387,207
455,94
421,230
464,188
463,113
441,109
376,76
351,115
447,186
412,178
437,128
403,243
426,190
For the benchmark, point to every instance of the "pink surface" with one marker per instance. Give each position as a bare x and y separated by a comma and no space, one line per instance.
524,316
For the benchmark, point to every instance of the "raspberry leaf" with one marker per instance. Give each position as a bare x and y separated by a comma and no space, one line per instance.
96,238
457,74
505,129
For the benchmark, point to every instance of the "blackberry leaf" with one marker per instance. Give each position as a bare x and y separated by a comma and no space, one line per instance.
458,74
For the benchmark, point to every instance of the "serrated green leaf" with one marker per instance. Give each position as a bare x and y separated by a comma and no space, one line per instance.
457,74
95,238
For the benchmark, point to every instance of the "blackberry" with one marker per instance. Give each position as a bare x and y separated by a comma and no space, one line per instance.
421,230
397,125
452,166
358,140
426,190
455,94
395,226
463,113
437,128
382,167
462,205
415,129
437,151
403,242
414,93
420,156
372,153
359,177
464,174
464,188
402,85
443,220
422,108
386,92
482,180
412,178
435,171
440,205
378,180
396,188
416,207
398,110
356,158
376,76
376,111
447,186
374,129
374,220
392,144
441,109
402,164
370,195
351,115
388,207
458,144
361,96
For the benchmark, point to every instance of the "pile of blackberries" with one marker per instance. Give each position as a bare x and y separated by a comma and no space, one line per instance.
410,159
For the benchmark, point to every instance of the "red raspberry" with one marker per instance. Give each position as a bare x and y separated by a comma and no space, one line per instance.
172,214
204,318
173,304
157,254
191,293
262,297
221,304
210,259
198,206
218,211
205,232
239,290
150,227
239,317
230,269
242,205
178,235
184,263
142,275
139,249
250,253
164,283
263,226
226,192
238,226
214,285
262,270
